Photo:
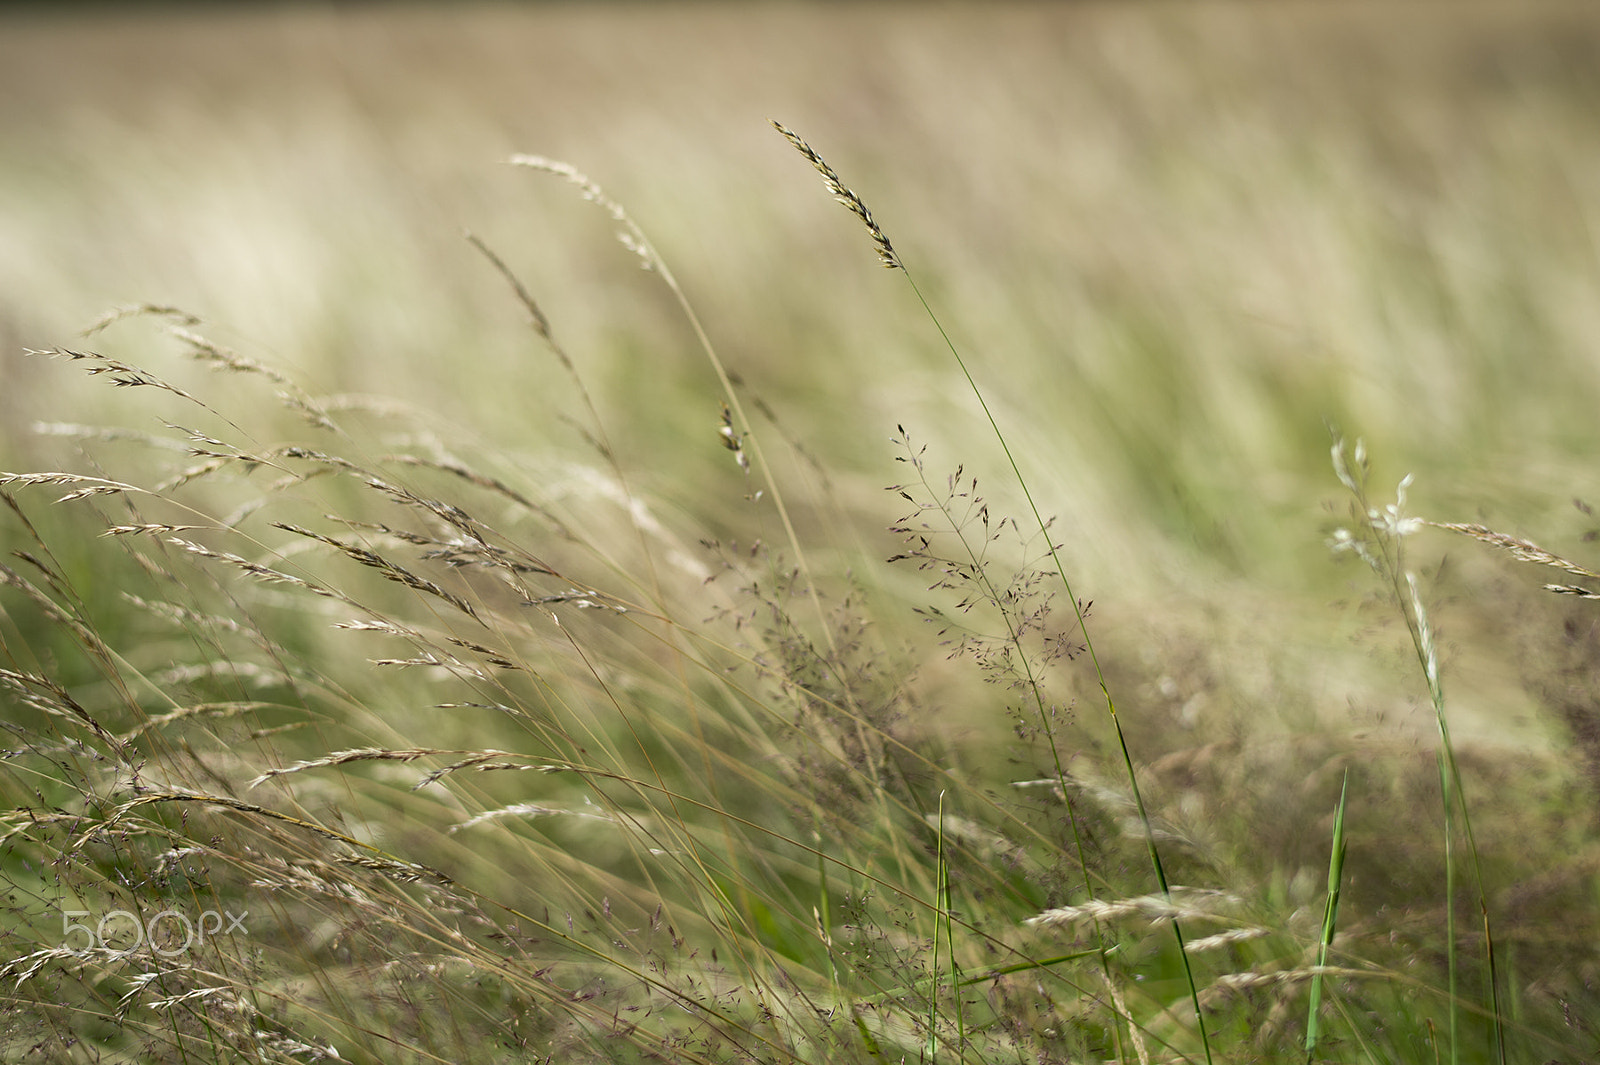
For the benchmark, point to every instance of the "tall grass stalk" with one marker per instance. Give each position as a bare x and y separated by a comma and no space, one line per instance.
891,259
736,430
738,436
1379,539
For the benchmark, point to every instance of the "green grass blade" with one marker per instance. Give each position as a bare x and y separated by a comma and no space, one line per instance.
940,886
1330,917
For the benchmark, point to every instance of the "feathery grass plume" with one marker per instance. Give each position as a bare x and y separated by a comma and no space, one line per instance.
92,486
259,571
121,374
390,570
1519,549
864,747
176,314
724,999
219,358
1238,983
184,713
1119,1003
202,350
148,527
842,192
1180,904
629,235
1232,937
536,317
367,754
747,451
529,809
633,238
471,476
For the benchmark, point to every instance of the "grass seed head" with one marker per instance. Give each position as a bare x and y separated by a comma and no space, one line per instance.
845,195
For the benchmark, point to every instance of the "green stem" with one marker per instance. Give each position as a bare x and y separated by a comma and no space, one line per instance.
1094,659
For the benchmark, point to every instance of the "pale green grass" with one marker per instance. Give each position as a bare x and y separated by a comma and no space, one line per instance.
758,814
1200,235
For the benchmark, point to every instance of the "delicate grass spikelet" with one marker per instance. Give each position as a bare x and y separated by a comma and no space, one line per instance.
1524,551
846,196
630,235
1156,909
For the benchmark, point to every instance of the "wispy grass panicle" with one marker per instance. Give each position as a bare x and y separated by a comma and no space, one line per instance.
889,258
629,234
1378,535
749,451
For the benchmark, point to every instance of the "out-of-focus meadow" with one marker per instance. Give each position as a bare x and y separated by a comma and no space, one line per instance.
1180,247
1179,243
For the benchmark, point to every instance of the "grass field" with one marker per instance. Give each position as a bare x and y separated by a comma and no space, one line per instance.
458,643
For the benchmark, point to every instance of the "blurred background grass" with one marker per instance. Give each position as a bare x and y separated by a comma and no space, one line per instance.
1175,242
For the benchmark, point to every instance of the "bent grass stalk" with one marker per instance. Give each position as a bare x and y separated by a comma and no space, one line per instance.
435,655
361,555
1379,540
632,237
890,259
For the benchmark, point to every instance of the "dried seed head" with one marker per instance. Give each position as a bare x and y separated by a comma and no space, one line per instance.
844,195
1519,549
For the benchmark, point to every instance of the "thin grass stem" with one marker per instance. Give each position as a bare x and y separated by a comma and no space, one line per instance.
892,260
